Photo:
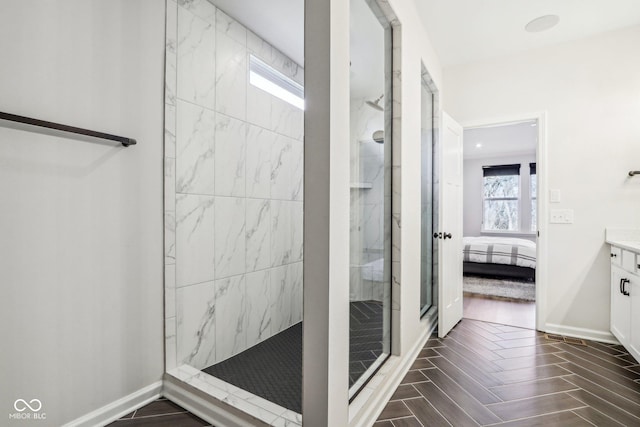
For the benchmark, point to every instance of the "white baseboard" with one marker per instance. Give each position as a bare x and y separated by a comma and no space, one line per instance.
375,402
114,410
204,406
587,334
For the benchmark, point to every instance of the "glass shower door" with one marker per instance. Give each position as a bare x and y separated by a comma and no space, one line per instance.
370,235
428,196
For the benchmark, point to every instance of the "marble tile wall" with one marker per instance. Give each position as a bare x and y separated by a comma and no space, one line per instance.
367,232
233,190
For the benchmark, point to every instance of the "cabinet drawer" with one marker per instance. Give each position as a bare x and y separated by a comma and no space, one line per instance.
629,261
616,256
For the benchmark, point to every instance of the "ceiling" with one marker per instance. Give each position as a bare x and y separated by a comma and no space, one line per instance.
500,140
471,30
460,30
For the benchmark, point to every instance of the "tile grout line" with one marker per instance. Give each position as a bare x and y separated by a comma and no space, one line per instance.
402,418
421,397
488,389
534,397
609,370
596,356
611,403
574,411
456,404
606,401
536,416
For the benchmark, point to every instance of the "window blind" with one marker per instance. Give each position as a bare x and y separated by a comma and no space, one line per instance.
501,170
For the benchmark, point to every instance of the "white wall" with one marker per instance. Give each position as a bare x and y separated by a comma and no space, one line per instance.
81,223
416,49
473,178
591,91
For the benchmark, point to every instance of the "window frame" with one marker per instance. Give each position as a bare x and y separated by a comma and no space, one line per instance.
533,197
517,230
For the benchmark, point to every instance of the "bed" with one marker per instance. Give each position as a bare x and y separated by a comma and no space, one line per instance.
499,257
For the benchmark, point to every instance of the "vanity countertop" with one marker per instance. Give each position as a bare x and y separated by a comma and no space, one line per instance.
630,245
628,239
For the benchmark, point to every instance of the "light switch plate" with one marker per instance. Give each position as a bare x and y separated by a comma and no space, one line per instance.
561,216
554,196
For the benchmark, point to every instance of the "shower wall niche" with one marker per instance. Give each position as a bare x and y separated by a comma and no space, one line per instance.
233,191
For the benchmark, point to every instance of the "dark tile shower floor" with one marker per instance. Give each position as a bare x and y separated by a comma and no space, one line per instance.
272,369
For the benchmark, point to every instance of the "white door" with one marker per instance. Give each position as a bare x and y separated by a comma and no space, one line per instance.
450,227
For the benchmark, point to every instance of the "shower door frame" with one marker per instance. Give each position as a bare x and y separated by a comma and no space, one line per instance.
431,312
392,126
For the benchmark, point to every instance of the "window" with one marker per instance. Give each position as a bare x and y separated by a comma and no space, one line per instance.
501,192
534,196
274,82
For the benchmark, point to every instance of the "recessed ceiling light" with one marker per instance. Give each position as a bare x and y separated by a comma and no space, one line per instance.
542,23
478,145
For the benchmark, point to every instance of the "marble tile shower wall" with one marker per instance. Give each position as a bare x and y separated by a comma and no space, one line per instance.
233,190
367,214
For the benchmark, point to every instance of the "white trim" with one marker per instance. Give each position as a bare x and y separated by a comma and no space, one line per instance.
542,199
242,400
587,334
367,407
120,407
542,207
476,156
203,406
364,377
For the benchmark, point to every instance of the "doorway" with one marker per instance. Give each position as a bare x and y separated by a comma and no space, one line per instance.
500,221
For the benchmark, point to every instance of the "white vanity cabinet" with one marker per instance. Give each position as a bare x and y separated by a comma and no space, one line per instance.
625,299
634,333
620,307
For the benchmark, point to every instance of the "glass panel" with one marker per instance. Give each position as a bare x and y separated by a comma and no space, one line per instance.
427,199
534,185
534,203
370,234
534,214
501,186
501,215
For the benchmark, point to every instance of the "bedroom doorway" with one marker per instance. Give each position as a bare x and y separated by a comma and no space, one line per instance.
500,223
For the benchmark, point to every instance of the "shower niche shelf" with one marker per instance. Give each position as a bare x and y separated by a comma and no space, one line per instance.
361,185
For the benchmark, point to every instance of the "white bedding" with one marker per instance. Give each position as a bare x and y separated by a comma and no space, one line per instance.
500,250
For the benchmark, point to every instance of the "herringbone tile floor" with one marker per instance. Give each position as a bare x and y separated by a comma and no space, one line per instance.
489,374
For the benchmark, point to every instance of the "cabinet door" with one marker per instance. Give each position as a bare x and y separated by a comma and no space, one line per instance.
634,338
620,306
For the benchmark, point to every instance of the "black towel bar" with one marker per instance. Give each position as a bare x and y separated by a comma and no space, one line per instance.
64,128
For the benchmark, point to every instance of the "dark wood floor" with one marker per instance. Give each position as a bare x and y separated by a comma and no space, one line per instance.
490,374
503,311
